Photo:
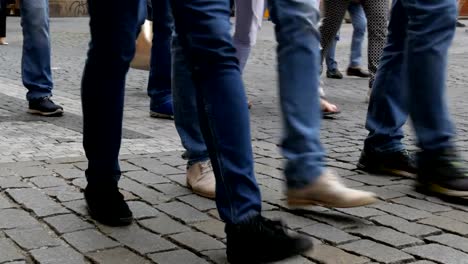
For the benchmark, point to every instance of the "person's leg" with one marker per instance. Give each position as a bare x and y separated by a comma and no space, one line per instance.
114,26
36,72
249,15
334,12
200,177
298,67
430,33
159,82
332,65
387,113
3,13
358,18
203,29
35,65
377,12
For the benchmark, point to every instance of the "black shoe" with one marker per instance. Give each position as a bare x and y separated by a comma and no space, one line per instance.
460,24
358,72
334,74
442,174
107,205
44,107
260,240
398,163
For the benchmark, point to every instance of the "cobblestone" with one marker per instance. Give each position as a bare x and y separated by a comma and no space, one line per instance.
33,238
197,241
117,255
139,239
44,219
377,252
439,254
8,252
89,240
176,257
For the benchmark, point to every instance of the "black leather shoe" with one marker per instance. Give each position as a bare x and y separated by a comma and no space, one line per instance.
260,240
358,72
107,205
398,163
334,74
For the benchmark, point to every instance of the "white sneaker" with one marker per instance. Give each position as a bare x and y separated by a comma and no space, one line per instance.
201,179
329,191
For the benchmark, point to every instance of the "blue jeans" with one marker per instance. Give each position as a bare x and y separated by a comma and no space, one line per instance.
412,76
159,83
298,56
204,33
35,64
359,21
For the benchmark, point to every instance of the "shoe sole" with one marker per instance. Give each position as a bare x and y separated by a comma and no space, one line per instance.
58,112
296,202
162,116
126,221
436,189
383,170
202,194
236,259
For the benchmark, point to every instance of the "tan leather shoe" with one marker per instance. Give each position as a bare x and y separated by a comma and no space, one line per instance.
201,179
328,191
3,41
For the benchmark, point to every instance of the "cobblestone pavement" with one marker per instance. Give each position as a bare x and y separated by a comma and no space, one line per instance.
43,218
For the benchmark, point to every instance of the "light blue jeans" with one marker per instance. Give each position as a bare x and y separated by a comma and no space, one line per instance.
412,77
298,57
35,65
359,21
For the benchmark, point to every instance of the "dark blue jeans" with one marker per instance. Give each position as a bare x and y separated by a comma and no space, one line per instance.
411,78
159,83
204,34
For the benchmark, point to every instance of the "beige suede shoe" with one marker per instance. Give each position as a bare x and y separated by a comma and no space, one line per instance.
328,191
201,179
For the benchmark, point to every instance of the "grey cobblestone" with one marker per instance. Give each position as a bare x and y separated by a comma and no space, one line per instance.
183,212
89,240
48,181
332,255
36,201
422,205
141,210
438,253
329,233
404,226
8,251
446,224
15,218
33,238
57,255
197,241
198,202
139,239
450,240
402,211
386,236
67,223
117,255
377,252
212,227
176,257
164,225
